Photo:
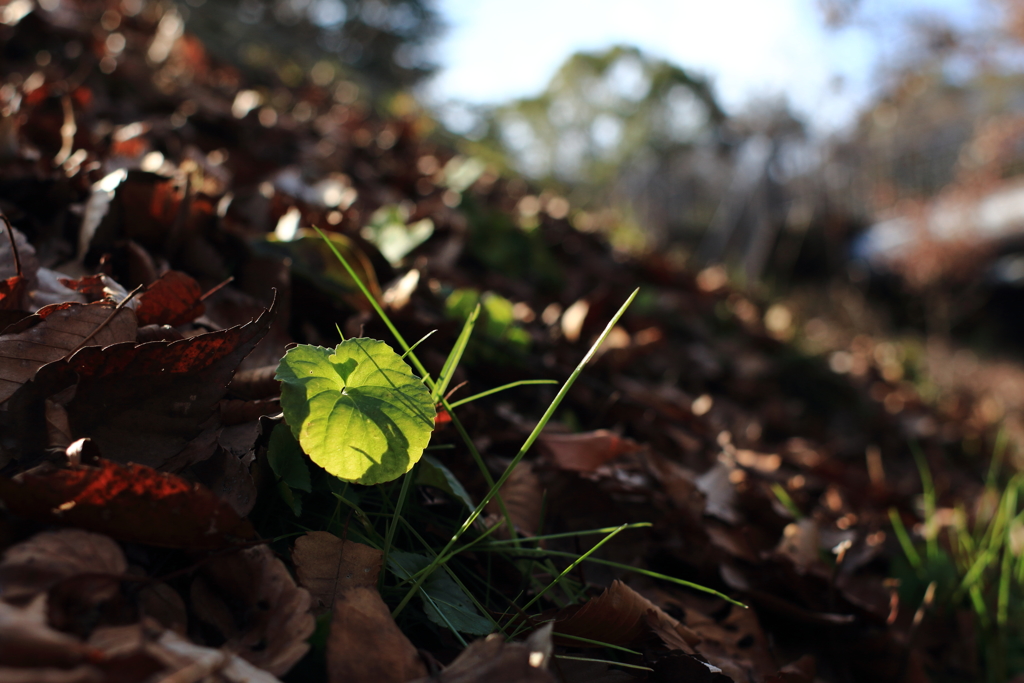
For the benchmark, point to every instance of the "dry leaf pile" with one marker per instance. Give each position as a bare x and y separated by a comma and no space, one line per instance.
150,285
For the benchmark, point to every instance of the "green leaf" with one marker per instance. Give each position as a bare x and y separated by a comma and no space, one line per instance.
285,457
292,499
443,601
358,412
433,473
388,231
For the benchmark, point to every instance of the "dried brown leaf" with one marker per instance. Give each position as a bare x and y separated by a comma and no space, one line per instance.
33,566
327,566
144,402
26,640
620,616
54,332
250,597
523,497
131,503
366,645
492,660
584,452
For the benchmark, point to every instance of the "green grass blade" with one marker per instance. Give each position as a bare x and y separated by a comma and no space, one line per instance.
928,487
998,452
574,534
483,610
413,347
604,661
626,567
393,523
904,538
436,389
783,496
595,642
452,362
573,565
522,451
377,308
1005,574
503,387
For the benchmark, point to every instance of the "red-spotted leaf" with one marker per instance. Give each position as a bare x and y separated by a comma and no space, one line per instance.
173,299
145,402
12,292
127,502
54,332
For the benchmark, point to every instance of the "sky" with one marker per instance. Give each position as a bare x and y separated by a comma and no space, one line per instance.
496,50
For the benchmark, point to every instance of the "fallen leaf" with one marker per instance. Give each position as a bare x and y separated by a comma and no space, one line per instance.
365,644
523,497
128,502
327,566
162,603
54,332
584,452
492,660
620,616
736,643
250,597
26,640
205,662
33,566
143,403
12,293
172,299
720,493
227,477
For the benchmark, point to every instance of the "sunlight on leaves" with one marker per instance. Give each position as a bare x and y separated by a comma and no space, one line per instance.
358,412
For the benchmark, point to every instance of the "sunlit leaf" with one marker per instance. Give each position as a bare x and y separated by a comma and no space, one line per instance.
358,412
389,231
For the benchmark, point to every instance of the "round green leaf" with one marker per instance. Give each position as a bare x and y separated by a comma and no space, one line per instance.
358,412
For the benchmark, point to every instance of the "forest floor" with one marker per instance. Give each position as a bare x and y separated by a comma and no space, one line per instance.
723,492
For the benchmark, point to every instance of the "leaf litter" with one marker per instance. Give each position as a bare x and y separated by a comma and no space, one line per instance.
156,506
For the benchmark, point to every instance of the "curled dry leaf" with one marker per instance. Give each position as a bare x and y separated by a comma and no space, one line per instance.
620,616
172,299
128,502
492,660
584,452
33,566
327,566
250,597
54,332
365,644
143,403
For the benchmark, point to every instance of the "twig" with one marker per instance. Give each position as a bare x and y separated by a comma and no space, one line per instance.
216,288
106,322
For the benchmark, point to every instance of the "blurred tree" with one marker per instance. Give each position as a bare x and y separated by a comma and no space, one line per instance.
621,125
381,44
